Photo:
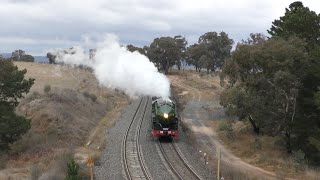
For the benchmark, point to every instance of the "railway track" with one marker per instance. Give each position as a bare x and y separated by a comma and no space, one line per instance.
176,161
132,156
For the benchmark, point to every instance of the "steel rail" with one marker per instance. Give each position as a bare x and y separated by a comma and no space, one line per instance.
129,171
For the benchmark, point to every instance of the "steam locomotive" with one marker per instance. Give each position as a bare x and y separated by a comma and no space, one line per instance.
164,118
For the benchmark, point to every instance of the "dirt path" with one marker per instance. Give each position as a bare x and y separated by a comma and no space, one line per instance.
207,136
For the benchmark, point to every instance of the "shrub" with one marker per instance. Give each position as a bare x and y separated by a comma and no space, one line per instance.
86,94
299,161
33,95
34,142
257,144
227,128
72,171
91,96
59,166
12,127
202,74
224,126
47,88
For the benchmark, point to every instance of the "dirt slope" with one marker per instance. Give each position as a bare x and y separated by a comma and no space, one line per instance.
69,119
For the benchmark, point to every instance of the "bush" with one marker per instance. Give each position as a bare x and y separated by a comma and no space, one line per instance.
34,142
91,96
227,128
299,161
59,166
12,127
47,88
33,95
257,144
72,171
202,74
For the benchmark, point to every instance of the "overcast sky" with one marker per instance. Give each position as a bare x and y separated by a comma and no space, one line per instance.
38,25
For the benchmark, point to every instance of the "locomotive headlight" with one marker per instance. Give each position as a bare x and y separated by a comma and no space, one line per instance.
165,115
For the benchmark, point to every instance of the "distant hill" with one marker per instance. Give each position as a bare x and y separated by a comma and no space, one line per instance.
42,59
6,55
39,59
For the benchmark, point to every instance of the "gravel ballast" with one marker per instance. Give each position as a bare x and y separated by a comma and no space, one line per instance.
111,163
110,166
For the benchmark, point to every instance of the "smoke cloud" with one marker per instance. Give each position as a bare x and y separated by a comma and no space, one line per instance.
116,67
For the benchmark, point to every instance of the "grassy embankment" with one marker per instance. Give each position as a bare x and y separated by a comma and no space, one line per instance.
69,115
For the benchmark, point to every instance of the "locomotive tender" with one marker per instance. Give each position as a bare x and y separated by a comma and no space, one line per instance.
164,118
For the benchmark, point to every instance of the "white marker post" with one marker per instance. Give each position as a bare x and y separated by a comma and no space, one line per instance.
219,158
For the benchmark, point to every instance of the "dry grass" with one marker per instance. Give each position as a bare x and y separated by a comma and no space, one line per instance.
265,152
15,174
208,84
60,121
95,142
74,111
64,77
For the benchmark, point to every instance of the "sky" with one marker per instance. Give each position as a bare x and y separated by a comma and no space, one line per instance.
37,26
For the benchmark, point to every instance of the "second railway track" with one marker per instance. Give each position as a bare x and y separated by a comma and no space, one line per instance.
181,168
132,156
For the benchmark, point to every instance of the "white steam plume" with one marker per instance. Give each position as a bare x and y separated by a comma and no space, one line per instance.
116,67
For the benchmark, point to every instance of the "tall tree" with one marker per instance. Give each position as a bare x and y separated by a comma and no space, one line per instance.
133,48
20,55
12,83
218,47
27,58
269,79
182,44
164,52
12,87
308,136
193,55
51,57
299,21
17,55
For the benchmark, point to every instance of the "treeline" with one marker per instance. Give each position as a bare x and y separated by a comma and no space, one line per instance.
19,55
165,52
274,83
209,53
